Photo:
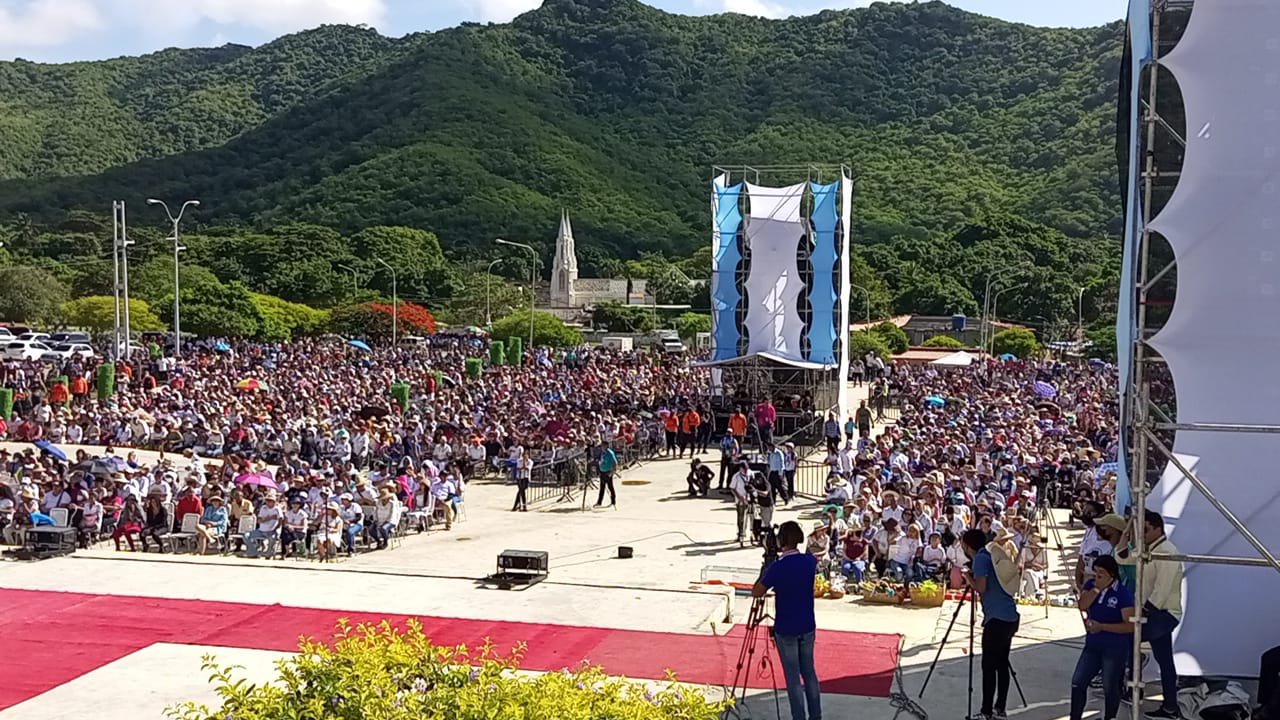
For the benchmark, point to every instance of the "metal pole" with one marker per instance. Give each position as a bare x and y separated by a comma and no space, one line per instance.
124,275
115,283
533,284
177,295
488,275
1080,314
868,294
395,303
1141,400
355,282
995,301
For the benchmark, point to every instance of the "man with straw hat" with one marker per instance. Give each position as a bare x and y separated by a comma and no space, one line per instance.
268,528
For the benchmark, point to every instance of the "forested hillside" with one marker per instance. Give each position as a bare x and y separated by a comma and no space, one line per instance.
617,112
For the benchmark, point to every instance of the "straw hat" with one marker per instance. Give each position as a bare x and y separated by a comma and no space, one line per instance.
1111,520
28,494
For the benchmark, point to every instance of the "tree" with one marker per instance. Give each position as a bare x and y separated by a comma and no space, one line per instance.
1104,343
944,341
98,313
211,309
547,329
689,324
862,342
1019,342
623,318
152,280
31,295
374,320
283,320
894,337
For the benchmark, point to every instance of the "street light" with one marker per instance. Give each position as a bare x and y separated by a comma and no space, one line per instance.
1080,314
355,282
868,294
177,319
533,284
395,302
995,301
488,275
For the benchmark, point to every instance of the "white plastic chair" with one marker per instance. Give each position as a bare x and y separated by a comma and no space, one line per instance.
60,517
248,523
187,534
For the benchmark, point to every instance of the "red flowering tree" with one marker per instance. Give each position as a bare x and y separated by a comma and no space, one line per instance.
373,319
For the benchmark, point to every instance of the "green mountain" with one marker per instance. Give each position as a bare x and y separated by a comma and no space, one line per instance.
610,108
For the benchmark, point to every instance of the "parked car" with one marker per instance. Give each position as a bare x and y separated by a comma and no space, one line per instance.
66,351
70,337
37,336
25,349
4,333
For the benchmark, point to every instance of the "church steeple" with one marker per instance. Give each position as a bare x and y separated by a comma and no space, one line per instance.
564,270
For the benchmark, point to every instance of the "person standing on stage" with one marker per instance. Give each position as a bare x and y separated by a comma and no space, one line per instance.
608,463
1161,610
999,623
794,626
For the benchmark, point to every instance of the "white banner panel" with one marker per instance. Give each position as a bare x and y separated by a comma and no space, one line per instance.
1223,335
845,289
774,232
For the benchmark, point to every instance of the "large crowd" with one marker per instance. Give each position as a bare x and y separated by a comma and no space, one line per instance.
307,440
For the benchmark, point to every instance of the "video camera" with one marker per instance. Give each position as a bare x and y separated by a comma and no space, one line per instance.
769,541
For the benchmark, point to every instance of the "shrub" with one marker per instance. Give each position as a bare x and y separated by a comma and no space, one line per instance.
548,330
862,342
1019,342
894,337
515,350
944,341
383,673
6,404
106,380
400,392
497,353
283,320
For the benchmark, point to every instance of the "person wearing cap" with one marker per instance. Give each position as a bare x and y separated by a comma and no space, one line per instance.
352,521
213,524
294,525
330,529
739,487
268,528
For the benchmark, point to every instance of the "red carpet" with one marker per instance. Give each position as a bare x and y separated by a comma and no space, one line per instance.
50,638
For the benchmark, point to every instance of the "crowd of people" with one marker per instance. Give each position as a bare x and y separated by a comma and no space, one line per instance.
307,439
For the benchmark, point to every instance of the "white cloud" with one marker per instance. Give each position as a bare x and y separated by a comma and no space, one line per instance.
758,8
267,15
500,11
45,23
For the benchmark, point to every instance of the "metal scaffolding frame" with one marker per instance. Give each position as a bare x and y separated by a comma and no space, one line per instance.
1148,423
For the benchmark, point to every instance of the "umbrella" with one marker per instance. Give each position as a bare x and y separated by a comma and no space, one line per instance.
52,449
221,347
1044,389
1008,356
360,344
1097,362
251,384
260,479
936,400
373,411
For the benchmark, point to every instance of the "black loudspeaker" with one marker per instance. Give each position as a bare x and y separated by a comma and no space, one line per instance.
625,552
48,539
530,562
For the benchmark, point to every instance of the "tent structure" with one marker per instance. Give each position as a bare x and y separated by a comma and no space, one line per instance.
955,359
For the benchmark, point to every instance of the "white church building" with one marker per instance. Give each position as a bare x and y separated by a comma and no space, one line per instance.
570,294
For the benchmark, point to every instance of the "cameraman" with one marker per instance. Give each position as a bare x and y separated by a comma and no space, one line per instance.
791,578
999,623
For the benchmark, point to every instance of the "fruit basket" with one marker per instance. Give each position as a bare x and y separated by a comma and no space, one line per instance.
928,594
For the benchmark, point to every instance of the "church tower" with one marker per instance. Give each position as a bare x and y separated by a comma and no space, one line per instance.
564,270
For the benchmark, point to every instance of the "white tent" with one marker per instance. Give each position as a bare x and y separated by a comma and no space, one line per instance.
955,359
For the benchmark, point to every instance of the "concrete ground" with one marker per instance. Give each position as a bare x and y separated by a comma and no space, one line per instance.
675,538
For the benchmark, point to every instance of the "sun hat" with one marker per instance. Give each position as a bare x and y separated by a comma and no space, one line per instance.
1111,520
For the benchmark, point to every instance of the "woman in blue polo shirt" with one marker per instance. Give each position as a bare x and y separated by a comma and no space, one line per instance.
1109,605
794,626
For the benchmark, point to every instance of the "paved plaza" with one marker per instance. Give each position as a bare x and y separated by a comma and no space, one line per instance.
435,574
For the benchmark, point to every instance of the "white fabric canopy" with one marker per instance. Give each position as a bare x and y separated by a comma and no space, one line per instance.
774,232
1223,223
955,359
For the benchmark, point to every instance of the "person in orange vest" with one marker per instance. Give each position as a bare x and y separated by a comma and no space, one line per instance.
671,424
738,425
79,387
689,422
58,394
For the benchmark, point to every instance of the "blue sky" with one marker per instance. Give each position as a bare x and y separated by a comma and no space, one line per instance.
66,30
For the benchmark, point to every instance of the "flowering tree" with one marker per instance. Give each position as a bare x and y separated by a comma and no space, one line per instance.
373,319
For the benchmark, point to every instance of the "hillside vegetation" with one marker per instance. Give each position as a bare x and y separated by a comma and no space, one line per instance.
977,144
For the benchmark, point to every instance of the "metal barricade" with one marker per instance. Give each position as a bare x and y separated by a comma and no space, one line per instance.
811,478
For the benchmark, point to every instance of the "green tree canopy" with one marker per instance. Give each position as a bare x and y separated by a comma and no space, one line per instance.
689,324
547,329
862,342
894,337
1019,342
944,341
212,309
31,295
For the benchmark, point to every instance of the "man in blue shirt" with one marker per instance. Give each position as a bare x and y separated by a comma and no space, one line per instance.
999,623
608,462
794,627
776,461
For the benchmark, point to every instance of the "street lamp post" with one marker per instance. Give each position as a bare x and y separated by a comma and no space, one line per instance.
177,317
395,303
868,294
1080,314
533,284
995,302
355,281
488,275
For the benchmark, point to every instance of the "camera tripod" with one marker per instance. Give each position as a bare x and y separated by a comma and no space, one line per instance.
746,658
966,594
1043,517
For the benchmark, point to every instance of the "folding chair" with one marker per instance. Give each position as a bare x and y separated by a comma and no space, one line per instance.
60,517
186,536
247,524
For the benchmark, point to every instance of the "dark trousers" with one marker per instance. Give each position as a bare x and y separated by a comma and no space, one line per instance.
776,488
1269,680
1158,632
833,443
726,469
522,486
997,640
606,482
790,477
1108,661
704,436
671,440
